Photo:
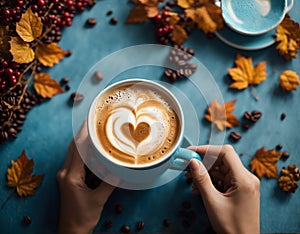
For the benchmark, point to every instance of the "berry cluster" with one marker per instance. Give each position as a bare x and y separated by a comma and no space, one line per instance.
9,74
164,29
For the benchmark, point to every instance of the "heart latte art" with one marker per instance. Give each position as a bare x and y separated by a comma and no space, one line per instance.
135,124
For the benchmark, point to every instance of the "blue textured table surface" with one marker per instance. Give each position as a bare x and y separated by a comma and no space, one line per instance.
48,130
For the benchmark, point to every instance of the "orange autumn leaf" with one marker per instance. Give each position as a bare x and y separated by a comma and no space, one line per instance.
173,18
185,3
21,51
19,176
49,54
30,26
143,10
179,34
288,38
221,115
45,86
244,74
264,163
289,80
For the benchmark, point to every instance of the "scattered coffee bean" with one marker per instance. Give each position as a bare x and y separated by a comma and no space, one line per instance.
278,147
255,115
285,155
140,225
125,229
235,136
98,75
91,21
247,115
118,209
91,3
67,87
282,116
168,73
246,126
186,205
166,223
108,224
27,219
64,80
68,53
114,20
76,97
109,12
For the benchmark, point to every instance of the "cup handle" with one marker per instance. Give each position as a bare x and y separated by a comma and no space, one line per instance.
182,157
289,6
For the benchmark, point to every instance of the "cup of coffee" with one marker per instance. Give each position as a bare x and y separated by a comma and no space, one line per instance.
138,124
254,17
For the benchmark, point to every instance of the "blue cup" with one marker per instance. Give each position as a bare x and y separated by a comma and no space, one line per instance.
175,158
254,17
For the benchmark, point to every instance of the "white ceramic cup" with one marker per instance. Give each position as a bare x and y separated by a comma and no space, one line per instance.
254,17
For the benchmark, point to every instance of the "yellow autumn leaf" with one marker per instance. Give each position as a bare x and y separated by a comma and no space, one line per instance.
49,54
185,3
289,80
45,86
173,18
19,176
21,51
244,74
30,26
179,34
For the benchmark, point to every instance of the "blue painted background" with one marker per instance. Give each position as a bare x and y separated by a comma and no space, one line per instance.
47,132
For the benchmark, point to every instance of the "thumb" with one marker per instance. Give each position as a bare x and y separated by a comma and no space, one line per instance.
201,179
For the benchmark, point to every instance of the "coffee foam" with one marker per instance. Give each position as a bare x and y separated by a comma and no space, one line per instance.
135,124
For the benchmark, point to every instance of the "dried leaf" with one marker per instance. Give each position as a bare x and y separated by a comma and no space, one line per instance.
4,41
288,38
245,74
152,11
173,18
45,86
30,26
21,51
263,163
289,80
221,115
19,176
179,34
185,3
49,54
138,14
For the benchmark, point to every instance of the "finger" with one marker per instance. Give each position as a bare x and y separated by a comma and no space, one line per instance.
103,192
68,159
226,152
201,179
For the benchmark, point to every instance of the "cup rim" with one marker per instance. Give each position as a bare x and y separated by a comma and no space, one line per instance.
96,143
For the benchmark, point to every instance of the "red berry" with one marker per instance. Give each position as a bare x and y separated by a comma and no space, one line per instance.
158,18
9,72
59,7
160,31
165,14
20,3
35,7
69,2
13,81
2,84
41,2
4,63
18,8
6,12
17,74
171,28
66,14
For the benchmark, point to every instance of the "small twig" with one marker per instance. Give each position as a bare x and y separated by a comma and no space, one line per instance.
7,199
254,93
49,9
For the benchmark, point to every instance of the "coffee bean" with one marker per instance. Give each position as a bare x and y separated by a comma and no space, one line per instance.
247,115
255,115
12,132
64,80
68,53
114,20
186,205
67,87
188,72
191,51
140,225
109,12
174,77
282,116
278,147
3,135
108,224
181,63
125,229
91,21
76,97
98,75
246,126
168,73
119,209
180,73
21,117
27,219
285,155
166,223
91,3
235,136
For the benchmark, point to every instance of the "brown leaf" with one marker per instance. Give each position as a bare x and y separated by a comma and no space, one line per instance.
173,18
221,115
45,86
245,74
263,163
288,38
19,176
49,54
30,26
179,34
21,51
138,14
289,80
4,41
185,3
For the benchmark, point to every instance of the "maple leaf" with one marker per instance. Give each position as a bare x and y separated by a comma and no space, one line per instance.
244,74
263,163
289,80
49,54
179,34
19,176
142,11
221,115
30,26
45,86
288,38
21,51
